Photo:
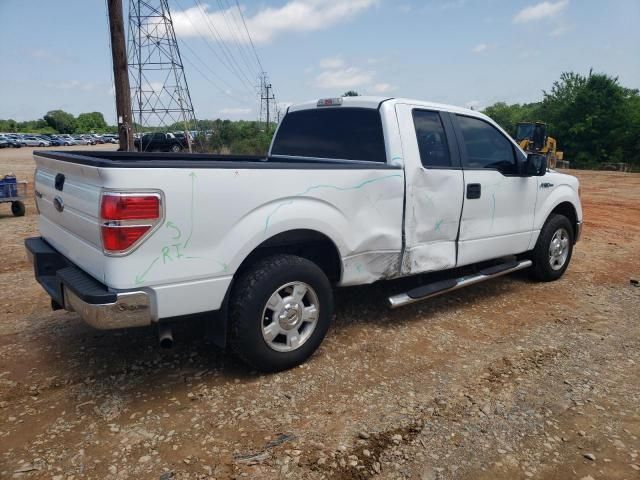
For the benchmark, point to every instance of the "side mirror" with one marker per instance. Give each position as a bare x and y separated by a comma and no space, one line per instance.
536,165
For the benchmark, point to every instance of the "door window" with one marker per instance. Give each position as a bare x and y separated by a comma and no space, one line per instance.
432,140
486,146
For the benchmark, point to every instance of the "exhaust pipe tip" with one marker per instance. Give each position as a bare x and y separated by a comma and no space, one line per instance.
165,336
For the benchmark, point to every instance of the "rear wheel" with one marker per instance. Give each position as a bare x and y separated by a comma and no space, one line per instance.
279,312
552,253
17,208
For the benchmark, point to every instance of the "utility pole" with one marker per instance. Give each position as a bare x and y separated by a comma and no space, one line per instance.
266,97
120,75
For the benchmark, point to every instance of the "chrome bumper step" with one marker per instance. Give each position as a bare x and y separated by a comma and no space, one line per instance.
438,288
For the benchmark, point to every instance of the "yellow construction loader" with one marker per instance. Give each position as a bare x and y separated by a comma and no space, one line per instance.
532,138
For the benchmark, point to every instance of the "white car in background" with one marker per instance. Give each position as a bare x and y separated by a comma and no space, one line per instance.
31,141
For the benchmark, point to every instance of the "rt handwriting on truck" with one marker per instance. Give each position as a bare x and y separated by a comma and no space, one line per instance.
175,249
352,191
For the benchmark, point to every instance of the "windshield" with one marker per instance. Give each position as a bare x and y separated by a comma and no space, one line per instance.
524,130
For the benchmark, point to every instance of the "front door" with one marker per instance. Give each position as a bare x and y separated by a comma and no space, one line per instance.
499,204
434,189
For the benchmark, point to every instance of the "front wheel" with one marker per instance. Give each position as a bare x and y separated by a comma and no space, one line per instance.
17,208
176,148
553,250
279,312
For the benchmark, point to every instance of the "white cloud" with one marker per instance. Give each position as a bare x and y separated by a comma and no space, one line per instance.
559,30
382,88
350,77
234,111
540,11
293,16
72,85
50,56
479,48
332,62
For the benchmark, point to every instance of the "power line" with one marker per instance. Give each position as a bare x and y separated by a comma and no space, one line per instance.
224,62
225,50
249,35
212,82
226,12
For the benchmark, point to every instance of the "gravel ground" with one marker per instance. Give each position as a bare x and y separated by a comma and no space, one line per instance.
504,380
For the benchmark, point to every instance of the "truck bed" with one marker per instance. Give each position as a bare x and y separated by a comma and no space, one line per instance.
103,159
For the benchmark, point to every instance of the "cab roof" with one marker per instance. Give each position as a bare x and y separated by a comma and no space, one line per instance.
376,101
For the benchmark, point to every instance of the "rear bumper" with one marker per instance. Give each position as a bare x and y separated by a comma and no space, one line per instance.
73,289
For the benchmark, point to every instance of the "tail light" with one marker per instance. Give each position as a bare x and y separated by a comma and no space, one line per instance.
127,218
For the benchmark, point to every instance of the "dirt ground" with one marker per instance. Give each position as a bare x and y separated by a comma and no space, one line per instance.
504,380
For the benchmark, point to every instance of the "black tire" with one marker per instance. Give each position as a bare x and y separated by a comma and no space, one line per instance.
542,269
176,148
248,301
17,208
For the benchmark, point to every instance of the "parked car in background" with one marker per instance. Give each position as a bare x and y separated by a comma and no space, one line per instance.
35,142
16,139
159,142
6,142
68,140
80,140
56,142
47,139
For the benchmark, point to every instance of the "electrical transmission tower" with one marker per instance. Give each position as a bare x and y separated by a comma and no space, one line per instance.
159,91
268,106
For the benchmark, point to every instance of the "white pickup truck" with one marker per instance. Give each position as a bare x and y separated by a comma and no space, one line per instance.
353,190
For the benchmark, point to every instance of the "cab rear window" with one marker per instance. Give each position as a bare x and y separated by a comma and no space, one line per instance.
337,133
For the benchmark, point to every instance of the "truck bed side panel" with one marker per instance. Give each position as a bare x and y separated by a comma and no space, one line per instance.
214,217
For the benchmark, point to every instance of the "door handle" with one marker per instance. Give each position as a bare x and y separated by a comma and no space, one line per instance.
473,191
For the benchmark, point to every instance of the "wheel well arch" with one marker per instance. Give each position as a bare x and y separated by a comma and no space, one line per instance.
309,244
568,210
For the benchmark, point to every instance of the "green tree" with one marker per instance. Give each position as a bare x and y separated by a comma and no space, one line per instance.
350,93
593,118
90,122
8,126
60,121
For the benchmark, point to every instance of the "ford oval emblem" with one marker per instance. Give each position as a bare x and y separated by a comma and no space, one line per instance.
58,204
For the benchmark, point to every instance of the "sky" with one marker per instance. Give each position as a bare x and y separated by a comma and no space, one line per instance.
55,55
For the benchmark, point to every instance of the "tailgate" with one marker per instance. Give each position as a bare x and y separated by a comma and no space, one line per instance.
68,199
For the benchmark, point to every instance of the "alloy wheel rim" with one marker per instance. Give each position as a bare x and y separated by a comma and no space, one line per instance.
290,316
559,249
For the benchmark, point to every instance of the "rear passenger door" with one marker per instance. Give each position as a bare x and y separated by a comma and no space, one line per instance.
499,203
434,187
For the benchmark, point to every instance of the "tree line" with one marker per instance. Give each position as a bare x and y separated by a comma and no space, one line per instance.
594,119
59,121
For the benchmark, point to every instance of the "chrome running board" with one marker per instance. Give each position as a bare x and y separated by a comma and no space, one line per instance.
438,288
